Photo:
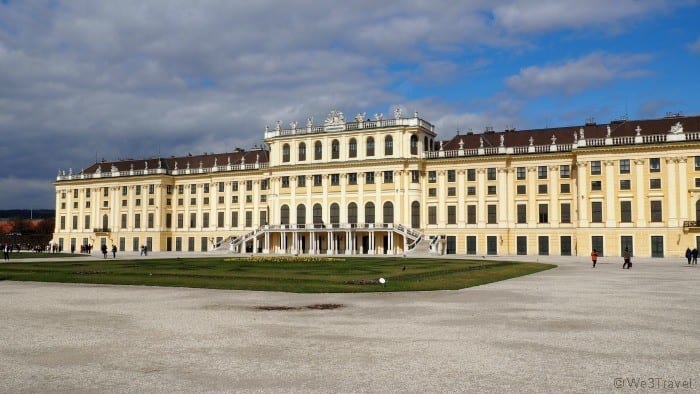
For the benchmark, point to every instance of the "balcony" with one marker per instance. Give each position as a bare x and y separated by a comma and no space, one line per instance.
102,230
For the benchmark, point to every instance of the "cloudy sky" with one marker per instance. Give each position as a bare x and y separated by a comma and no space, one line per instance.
87,79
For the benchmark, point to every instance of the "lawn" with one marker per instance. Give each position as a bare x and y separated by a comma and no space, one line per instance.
43,255
298,275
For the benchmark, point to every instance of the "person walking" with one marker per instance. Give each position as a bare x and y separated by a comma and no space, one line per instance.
594,257
104,250
114,251
695,255
626,256
688,255
6,252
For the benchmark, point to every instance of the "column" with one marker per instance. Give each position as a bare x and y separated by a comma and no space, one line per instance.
481,197
502,202
640,187
610,200
554,214
532,211
461,208
582,168
672,195
441,193
682,194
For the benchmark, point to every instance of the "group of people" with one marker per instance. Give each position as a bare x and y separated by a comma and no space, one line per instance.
114,251
692,255
627,262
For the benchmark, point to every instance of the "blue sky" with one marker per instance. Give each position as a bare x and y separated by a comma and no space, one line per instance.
89,79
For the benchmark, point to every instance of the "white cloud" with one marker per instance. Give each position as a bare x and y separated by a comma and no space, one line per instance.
577,75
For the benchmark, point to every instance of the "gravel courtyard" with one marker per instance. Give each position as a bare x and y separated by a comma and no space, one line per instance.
570,329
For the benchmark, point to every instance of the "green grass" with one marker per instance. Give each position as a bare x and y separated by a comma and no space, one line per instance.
43,255
298,275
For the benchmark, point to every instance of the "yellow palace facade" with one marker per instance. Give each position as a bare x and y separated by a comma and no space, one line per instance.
389,186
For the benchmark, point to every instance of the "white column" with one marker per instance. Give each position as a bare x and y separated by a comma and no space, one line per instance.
672,195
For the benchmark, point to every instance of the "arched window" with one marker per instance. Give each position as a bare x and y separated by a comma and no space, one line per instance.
105,222
352,148
318,214
425,144
301,214
369,212
335,149
284,214
285,153
352,213
388,211
302,151
370,146
318,150
335,214
414,145
415,214
388,146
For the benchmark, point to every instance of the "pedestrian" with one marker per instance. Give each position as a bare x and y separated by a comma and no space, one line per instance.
626,256
104,250
6,252
594,257
145,250
695,255
114,251
142,250
688,255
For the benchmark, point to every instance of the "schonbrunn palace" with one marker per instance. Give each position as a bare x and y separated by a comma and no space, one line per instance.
390,186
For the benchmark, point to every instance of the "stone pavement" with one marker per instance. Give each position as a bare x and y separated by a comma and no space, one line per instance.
570,329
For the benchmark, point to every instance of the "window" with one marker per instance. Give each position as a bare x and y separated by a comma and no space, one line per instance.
219,219
521,245
352,178
471,175
234,219
264,184
206,188
451,192
471,214
543,244
168,189
75,193
193,201
656,212
542,172
123,221
596,185
352,213
206,200
87,193
249,185
63,222
432,192
595,167
542,189
491,174
654,164
521,189
87,221
335,149
369,177
565,209
491,214
75,223
205,219
491,245
625,184
335,179
451,176
565,242
105,191
597,212
301,181
370,147
414,145
352,151
697,182
522,213
564,171
369,212
285,153
193,220
471,244
87,203
388,146
284,214
415,176
624,166
193,189
432,176
220,199
318,150
124,190
626,211
249,218
234,186
180,220
565,188
262,216
491,190
151,219
388,176
234,199
520,173
105,203
318,180
655,183
249,198
451,214
471,191
137,220
285,182
137,202
697,163
302,151
388,212
181,189
432,215
657,246
543,213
